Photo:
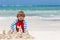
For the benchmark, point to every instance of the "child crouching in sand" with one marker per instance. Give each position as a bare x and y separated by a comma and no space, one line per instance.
16,27
19,22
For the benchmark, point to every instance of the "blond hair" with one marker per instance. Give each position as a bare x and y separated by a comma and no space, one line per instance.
20,13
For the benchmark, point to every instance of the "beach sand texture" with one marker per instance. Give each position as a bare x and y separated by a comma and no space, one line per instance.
39,29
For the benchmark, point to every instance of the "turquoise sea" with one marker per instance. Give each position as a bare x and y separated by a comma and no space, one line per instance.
31,10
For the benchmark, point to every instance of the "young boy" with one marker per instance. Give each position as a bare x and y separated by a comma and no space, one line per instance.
19,22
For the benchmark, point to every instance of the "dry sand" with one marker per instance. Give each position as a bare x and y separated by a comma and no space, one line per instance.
39,29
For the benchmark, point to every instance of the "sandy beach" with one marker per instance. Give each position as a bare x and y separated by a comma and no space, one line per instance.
39,29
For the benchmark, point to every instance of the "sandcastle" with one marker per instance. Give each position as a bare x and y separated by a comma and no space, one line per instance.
15,35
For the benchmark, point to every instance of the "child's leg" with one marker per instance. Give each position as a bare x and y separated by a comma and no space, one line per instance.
17,29
22,29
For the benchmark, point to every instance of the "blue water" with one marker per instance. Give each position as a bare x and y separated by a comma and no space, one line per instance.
32,10
30,7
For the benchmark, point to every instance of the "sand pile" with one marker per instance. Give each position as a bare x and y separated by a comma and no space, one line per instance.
15,35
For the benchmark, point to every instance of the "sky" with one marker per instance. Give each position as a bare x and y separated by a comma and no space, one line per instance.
29,2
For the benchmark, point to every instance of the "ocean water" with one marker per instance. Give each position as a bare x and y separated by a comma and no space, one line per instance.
45,12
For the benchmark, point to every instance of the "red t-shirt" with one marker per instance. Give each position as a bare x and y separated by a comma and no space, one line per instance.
19,24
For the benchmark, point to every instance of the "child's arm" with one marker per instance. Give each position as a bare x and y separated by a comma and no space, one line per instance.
25,26
13,24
